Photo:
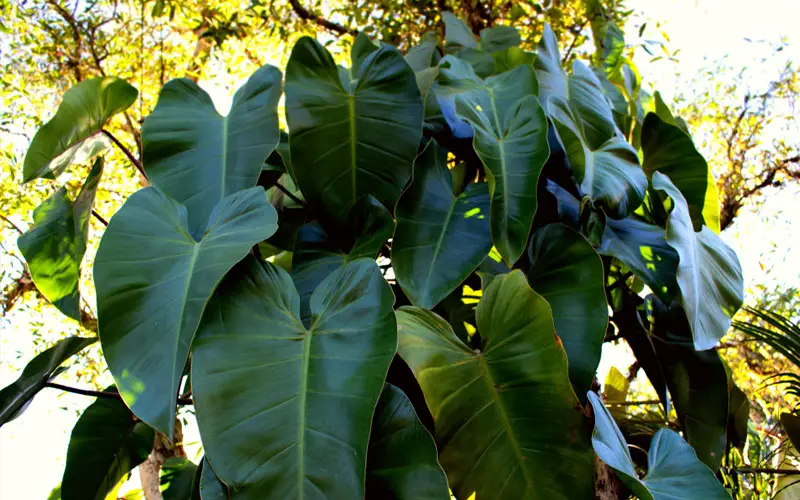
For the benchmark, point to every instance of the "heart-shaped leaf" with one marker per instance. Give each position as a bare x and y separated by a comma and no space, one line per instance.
106,443
440,238
402,463
709,274
493,439
42,368
339,127
673,471
72,134
285,411
153,280
669,150
198,157
317,254
511,141
568,273
54,245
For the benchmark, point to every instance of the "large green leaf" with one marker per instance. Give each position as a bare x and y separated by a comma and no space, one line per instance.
177,478
42,368
673,472
709,274
669,150
511,141
440,238
552,78
317,254
211,488
285,410
198,157
457,34
568,273
697,383
153,280
402,463
497,38
354,135
72,134
643,248
604,165
54,245
106,443
508,423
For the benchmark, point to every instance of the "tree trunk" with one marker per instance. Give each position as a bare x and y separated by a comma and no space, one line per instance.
150,470
607,485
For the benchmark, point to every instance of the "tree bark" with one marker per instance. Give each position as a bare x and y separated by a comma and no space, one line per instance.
150,470
607,485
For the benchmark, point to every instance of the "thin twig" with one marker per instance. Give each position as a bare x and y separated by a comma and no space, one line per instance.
125,150
304,13
758,470
12,224
100,394
635,403
100,218
285,191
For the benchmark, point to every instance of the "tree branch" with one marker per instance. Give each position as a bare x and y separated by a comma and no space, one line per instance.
125,150
758,470
285,191
306,15
100,394
11,223
100,218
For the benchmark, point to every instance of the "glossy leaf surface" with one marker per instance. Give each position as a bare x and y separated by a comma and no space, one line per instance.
14,397
669,150
511,141
54,246
402,462
106,443
568,273
153,280
709,274
352,134
440,238
673,472
198,157
285,411
71,135
492,440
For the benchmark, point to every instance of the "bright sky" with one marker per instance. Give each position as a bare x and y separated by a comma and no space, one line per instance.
34,445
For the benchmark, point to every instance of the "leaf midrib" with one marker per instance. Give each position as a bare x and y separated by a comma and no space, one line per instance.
224,156
301,433
503,164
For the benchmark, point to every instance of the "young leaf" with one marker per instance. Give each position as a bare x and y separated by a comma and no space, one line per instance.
40,370
440,238
493,439
673,471
106,443
285,410
708,271
402,463
511,141
667,149
71,135
198,157
339,127
568,273
153,280
54,246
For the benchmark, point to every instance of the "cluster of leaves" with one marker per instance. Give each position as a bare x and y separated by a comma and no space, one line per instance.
472,170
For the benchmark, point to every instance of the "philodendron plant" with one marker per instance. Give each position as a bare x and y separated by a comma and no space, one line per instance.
406,293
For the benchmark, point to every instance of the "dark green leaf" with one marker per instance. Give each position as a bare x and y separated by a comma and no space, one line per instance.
551,77
456,33
440,238
509,59
402,463
362,48
508,423
791,424
316,254
198,157
54,245
667,149
211,488
153,280
568,273
177,476
339,127
511,141
738,415
673,472
499,38
106,443
709,274
41,369
285,411
72,134
420,57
